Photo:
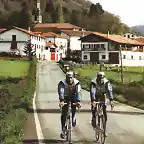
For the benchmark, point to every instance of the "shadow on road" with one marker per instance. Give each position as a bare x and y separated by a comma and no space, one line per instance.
46,141
30,110
54,141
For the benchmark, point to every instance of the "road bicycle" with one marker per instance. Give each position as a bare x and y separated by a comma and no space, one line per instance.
100,122
67,130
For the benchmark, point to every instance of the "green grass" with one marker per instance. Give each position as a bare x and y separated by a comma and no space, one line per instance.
16,68
130,73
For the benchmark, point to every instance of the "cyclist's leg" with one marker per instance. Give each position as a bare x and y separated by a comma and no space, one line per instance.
105,115
63,119
93,110
73,115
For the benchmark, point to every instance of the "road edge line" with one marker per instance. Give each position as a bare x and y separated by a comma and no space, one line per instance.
37,121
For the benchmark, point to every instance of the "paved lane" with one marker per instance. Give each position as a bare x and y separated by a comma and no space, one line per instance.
122,128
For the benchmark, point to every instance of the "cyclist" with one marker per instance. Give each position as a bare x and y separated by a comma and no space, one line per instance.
69,90
99,88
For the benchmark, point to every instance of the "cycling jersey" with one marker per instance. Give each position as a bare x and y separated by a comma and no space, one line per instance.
97,90
69,92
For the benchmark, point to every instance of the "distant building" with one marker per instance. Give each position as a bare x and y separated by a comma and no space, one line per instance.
73,38
97,47
55,27
14,40
60,43
131,36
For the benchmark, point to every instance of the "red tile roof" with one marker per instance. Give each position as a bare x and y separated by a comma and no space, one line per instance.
52,34
50,44
119,39
24,30
140,40
1,30
56,25
76,33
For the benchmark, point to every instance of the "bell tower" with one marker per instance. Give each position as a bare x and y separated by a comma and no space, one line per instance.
38,13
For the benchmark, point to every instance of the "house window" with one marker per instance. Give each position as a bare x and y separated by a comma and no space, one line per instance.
103,56
46,48
124,56
13,37
131,56
140,58
102,46
85,57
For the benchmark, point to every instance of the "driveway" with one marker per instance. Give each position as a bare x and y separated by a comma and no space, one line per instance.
125,124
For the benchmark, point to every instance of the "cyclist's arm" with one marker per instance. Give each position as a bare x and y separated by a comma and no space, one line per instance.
61,91
92,91
109,91
78,92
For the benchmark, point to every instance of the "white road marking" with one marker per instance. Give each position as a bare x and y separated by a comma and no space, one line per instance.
37,122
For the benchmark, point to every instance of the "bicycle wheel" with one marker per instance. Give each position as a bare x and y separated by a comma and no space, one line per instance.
68,134
97,129
102,129
97,126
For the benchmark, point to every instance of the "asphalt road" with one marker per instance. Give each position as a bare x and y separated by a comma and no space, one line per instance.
122,128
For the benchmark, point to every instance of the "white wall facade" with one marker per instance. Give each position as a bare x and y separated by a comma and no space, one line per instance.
130,58
59,41
21,38
86,52
75,43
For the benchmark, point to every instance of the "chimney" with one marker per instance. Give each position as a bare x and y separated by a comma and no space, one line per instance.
108,34
83,34
29,29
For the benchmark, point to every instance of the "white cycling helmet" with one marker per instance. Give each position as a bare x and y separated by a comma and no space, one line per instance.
70,74
100,74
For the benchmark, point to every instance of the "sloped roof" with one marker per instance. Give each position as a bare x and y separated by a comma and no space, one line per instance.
76,33
56,25
49,44
23,30
52,34
118,38
1,30
140,40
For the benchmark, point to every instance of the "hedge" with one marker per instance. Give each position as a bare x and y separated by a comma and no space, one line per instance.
131,94
15,97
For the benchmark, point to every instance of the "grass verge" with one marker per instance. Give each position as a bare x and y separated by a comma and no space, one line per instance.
15,98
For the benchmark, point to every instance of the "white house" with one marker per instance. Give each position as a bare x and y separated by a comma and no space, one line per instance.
14,39
131,36
97,47
58,40
73,38
51,52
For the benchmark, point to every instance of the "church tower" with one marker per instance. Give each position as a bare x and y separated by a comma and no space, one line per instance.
38,13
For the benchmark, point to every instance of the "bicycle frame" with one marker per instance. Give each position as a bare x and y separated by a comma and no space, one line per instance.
68,122
100,121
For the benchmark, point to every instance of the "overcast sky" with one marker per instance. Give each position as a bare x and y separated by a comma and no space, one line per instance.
131,12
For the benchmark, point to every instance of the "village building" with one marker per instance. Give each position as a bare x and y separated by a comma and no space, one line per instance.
97,47
55,27
59,41
14,39
74,44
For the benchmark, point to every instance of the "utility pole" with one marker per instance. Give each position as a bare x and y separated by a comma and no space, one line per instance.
121,65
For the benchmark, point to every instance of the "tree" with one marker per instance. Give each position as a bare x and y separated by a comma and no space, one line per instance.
25,17
60,14
28,50
74,17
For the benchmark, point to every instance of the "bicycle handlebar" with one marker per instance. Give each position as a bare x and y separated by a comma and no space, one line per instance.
94,105
78,106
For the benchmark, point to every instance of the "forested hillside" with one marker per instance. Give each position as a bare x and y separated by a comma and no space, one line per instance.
78,12
139,30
